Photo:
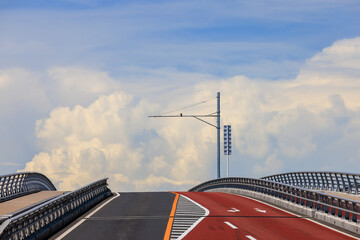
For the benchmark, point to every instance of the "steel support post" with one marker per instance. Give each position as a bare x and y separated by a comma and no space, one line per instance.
218,134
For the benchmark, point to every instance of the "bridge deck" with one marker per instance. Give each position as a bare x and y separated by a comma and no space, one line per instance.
126,216
17,204
197,216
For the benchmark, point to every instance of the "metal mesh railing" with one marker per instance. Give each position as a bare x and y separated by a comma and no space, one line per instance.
44,220
337,206
331,181
17,183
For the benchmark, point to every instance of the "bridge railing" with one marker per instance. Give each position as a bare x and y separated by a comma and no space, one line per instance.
46,219
331,181
12,185
337,206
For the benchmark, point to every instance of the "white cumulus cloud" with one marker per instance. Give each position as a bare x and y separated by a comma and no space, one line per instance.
307,123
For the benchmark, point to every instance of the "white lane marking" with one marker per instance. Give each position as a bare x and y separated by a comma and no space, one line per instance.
231,225
233,210
207,212
259,210
89,215
297,215
250,237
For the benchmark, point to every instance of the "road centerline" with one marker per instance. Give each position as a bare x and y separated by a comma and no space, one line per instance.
171,217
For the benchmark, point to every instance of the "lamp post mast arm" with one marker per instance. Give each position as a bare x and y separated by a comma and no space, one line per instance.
183,115
198,117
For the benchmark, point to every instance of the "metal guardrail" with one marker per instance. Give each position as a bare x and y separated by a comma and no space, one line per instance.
26,182
332,181
341,207
46,219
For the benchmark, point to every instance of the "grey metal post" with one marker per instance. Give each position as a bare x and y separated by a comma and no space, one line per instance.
356,185
218,134
227,166
199,117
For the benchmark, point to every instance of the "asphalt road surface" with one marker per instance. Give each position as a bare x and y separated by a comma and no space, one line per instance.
235,217
192,215
128,216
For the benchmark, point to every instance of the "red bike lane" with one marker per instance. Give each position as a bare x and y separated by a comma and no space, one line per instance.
236,217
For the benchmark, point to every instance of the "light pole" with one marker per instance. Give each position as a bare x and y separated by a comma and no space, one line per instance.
199,117
227,144
218,134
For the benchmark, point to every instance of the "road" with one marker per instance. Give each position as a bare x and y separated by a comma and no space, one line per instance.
236,217
128,216
192,215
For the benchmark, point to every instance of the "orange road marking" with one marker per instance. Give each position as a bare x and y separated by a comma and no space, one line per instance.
171,217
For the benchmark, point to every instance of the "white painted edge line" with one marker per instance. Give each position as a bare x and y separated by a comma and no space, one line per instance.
231,225
195,223
297,215
250,237
87,216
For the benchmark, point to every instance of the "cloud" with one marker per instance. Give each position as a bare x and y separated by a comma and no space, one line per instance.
76,85
23,99
9,164
307,123
158,164
112,137
341,56
4,80
254,38
26,96
20,88
296,119
271,164
88,142
154,182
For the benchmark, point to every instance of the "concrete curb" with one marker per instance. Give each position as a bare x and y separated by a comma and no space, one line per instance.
302,210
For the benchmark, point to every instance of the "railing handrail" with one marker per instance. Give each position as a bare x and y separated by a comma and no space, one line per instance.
329,195
12,174
61,197
356,174
320,201
194,189
22,182
325,180
51,212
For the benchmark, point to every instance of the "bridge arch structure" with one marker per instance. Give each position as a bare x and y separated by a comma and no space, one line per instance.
331,181
15,184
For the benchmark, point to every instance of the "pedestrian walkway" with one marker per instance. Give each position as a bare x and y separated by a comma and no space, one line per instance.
343,195
14,205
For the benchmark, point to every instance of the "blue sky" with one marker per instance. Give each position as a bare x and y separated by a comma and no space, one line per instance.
70,56
219,37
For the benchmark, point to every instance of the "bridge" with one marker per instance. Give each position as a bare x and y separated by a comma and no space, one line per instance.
301,205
